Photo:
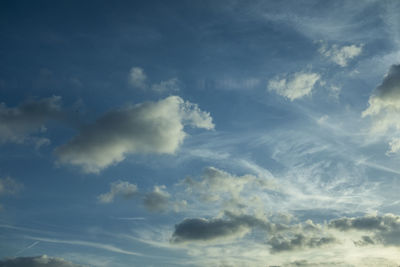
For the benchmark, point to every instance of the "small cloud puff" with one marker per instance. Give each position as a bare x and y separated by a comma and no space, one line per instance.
9,186
18,123
138,79
296,86
157,200
341,55
150,127
119,188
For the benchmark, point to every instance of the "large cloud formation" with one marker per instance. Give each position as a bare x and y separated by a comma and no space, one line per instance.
18,123
200,229
384,106
150,127
300,84
38,261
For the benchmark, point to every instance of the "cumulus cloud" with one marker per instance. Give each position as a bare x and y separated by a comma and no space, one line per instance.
384,229
37,261
296,86
119,188
157,200
203,230
18,123
138,79
280,243
341,55
150,127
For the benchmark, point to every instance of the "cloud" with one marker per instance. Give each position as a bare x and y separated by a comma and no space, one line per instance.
394,146
157,200
216,184
150,127
281,243
37,261
18,123
9,186
171,85
300,84
341,55
384,229
119,188
138,78
204,230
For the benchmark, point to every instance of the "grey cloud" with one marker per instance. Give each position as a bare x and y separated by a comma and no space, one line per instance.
200,229
119,188
138,78
18,123
150,127
38,261
157,200
280,243
385,229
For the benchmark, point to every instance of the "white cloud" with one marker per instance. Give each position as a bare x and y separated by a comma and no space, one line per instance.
394,146
157,200
138,78
18,123
119,188
150,127
341,55
300,84
38,261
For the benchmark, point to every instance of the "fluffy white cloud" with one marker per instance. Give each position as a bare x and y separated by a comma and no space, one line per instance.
150,127
341,55
38,261
298,85
394,146
157,200
138,78
18,123
119,188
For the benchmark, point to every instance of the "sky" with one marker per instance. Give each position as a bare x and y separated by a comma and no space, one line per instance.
200,133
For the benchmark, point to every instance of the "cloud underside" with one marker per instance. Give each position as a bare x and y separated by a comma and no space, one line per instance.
384,108
297,86
151,127
38,261
17,124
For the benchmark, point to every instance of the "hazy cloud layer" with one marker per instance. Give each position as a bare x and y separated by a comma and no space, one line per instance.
9,186
38,261
150,127
296,86
118,189
341,55
18,123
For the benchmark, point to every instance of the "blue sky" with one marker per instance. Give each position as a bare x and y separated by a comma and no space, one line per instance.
200,133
